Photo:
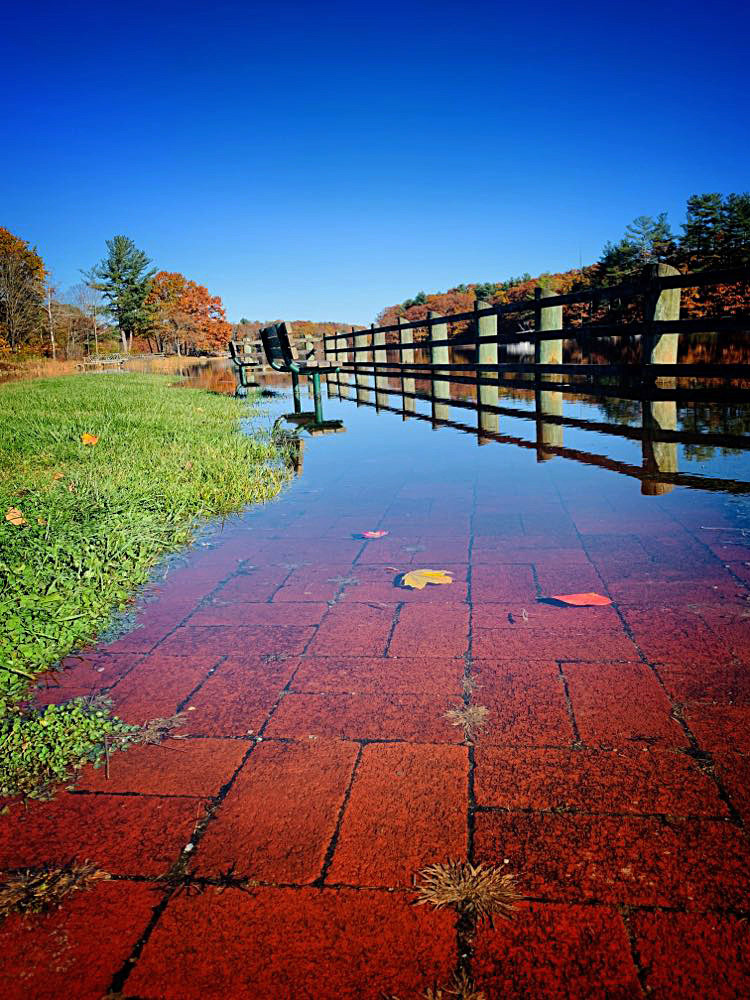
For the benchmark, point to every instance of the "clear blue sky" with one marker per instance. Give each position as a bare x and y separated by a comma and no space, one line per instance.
324,160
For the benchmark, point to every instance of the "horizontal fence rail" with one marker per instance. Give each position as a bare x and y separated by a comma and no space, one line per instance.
657,279
654,333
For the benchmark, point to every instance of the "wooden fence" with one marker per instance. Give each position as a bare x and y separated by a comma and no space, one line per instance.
659,326
375,364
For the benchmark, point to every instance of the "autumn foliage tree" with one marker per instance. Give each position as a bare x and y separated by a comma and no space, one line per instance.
22,277
185,317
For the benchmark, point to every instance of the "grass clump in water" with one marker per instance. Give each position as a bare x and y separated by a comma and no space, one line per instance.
98,518
38,890
43,748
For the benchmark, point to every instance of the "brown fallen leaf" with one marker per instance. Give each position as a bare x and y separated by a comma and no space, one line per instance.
57,475
418,579
14,515
582,600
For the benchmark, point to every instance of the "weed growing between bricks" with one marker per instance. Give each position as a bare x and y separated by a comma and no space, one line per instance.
39,890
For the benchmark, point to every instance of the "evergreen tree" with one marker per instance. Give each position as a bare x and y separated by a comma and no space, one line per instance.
646,241
124,279
651,239
703,231
736,228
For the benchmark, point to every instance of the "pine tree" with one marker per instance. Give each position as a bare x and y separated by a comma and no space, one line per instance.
124,279
736,227
703,231
646,241
651,239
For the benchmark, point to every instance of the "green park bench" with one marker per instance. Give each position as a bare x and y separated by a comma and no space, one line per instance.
282,356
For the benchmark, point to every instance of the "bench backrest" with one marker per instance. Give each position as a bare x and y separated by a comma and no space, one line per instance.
274,347
284,333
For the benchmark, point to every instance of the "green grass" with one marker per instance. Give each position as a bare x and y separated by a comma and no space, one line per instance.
43,749
166,458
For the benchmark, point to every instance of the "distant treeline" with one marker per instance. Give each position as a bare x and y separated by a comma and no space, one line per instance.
122,303
715,234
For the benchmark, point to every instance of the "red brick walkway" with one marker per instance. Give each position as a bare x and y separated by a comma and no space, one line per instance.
321,773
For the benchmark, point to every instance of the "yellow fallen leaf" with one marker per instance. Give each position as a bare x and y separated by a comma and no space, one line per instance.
57,475
89,438
14,515
41,520
418,579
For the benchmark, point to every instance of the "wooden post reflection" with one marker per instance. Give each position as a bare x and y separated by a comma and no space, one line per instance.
548,435
658,456
381,377
439,355
361,356
408,385
487,395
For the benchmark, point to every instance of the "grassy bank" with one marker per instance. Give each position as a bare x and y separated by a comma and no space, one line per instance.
98,517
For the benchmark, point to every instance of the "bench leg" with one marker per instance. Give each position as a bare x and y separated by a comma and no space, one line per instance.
295,390
318,399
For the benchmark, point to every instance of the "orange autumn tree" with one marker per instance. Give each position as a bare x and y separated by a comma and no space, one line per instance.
185,317
22,277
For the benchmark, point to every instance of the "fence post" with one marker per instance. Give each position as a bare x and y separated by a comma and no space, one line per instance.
439,355
408,385
487,354
379,358
331,386
247,349
360,357
660,305
547,352
342,377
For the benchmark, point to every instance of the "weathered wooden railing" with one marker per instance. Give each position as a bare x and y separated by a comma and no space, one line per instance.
654,381
659,292
93,361
252,350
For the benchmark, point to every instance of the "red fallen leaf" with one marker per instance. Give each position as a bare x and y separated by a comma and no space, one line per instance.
374,534
582,600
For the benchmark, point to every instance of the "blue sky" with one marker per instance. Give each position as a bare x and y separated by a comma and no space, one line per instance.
324,161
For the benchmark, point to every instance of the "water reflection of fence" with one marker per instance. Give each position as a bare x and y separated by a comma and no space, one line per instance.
419,349
658,433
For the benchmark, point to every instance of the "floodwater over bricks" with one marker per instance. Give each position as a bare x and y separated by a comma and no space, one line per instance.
272,846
